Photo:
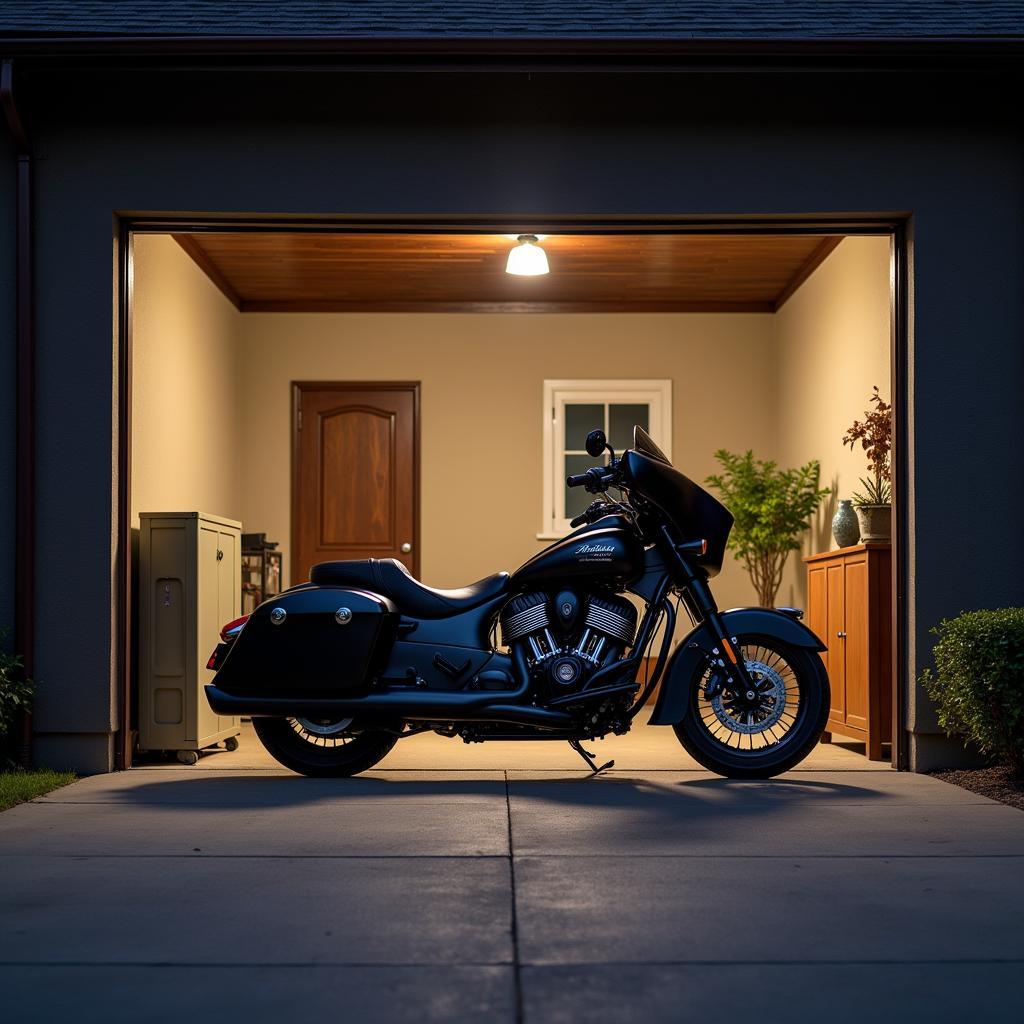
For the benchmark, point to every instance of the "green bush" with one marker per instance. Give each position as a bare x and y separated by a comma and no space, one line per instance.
978,682
15,691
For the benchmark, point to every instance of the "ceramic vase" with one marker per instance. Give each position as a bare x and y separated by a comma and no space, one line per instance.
845,527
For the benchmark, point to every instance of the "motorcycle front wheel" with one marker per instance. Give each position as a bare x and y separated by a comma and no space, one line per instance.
763,732
320,747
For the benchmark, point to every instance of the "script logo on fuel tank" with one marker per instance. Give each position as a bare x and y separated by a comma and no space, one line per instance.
595,552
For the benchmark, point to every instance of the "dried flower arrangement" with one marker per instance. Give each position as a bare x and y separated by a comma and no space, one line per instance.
875,436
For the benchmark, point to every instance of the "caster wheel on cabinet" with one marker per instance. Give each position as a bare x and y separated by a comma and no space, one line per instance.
231,743
188,756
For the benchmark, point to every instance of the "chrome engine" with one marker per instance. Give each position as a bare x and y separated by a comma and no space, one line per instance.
568,638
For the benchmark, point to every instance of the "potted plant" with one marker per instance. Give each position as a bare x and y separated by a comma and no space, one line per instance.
874,502
771,507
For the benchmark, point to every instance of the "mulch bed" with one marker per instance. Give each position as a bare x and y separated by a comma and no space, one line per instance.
995,783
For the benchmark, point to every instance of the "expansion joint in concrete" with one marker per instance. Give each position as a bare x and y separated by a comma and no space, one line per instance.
516,964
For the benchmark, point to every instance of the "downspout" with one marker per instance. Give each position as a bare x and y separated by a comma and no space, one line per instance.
25,427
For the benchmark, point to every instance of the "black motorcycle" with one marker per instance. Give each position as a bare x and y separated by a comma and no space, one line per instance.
335,671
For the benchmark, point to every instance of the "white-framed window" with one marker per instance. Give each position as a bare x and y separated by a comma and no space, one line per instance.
572,408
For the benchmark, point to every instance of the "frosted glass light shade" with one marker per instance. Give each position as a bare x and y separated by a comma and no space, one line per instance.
527,259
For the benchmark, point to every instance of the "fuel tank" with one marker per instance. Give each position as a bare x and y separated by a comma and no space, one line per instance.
608,550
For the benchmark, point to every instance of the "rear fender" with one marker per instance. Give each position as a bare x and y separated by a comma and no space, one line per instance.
697,649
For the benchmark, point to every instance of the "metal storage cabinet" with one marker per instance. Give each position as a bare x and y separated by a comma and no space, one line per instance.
189,565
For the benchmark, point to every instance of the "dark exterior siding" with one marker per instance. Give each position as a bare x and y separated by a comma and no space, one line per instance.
642,146
689,18
7,387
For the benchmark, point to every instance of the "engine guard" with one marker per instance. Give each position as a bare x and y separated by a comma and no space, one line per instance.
696,648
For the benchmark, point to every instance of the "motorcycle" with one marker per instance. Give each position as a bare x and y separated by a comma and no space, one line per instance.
334,672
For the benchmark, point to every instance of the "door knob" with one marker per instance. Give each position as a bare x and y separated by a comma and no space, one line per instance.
841,634
406,548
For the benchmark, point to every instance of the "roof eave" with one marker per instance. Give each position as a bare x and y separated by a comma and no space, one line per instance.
579,48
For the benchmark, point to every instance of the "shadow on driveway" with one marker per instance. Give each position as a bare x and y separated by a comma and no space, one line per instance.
254,791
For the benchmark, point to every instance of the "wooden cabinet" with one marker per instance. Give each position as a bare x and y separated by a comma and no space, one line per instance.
849,606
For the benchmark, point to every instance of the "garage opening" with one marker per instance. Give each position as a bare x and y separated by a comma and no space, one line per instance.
308,395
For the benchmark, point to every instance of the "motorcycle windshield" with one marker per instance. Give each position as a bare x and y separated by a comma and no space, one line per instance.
696,514
643,442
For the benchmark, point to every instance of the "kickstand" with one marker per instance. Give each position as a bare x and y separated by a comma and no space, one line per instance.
589,758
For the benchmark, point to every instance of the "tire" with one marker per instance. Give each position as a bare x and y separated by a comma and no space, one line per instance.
713,735
321,754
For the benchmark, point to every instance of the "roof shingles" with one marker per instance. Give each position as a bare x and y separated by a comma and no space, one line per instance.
681,19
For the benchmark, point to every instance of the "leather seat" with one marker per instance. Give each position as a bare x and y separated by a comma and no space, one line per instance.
390,578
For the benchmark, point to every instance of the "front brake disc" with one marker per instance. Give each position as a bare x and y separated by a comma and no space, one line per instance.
772,702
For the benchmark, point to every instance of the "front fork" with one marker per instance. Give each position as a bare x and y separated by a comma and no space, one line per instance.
725,656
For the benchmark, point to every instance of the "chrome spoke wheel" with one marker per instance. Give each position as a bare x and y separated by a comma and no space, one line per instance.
758,719
324,747
323,732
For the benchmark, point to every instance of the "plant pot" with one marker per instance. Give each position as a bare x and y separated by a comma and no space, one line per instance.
845,527
875,523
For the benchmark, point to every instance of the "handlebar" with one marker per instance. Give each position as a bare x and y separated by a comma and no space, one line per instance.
596,479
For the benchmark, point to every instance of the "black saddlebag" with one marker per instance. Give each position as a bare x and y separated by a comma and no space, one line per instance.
311,641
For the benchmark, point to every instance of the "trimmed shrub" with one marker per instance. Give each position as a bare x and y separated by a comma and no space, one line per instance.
15,693
978,682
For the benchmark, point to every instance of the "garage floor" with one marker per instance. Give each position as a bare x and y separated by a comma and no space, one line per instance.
464,884
645,748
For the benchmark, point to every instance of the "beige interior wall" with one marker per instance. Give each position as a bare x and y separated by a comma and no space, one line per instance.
832,341
186,418
482,377
211,398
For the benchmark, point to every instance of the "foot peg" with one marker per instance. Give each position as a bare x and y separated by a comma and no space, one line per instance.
590,759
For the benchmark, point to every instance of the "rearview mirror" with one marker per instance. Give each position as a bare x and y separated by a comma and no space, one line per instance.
596,443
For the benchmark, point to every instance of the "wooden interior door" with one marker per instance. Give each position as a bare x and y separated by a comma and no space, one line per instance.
355,475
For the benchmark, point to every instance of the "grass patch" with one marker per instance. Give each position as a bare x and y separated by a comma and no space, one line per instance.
17,787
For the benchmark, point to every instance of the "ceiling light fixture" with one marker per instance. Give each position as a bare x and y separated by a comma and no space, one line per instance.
527,259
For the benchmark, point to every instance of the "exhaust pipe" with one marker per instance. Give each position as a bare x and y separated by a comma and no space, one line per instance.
417,706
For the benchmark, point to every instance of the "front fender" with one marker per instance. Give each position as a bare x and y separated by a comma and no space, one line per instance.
696,648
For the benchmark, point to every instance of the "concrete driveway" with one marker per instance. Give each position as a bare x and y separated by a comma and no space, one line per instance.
452,886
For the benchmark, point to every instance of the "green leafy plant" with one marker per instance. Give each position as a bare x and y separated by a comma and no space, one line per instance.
771,507
15,690
875,436
978,682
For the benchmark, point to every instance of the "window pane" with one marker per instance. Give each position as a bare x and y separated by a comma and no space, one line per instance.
580,420
621,420
577,498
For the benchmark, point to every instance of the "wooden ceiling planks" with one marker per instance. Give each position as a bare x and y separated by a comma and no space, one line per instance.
379,272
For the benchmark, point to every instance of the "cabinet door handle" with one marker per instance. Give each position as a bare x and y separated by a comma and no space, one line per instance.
841,634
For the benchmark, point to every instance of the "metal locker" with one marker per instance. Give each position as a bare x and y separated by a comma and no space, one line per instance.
189,566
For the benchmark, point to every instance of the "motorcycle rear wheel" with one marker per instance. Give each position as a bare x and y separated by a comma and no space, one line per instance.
322,749
730,738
